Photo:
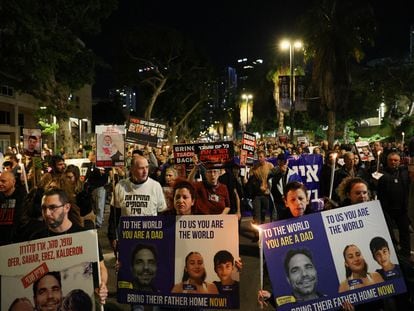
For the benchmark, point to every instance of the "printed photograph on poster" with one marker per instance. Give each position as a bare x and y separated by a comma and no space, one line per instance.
190,261
110,145
67,263
202,265
145,242
340,249
145,132
364,151
32,142
348,223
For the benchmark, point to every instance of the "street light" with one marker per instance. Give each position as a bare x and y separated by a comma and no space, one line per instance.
287,44
247,98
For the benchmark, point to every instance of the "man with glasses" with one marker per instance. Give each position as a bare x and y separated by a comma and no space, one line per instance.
60,219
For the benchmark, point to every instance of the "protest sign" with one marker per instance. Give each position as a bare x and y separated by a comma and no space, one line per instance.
32,142
216,152
308,167
327,236
73,257
247,149
143,132
168,244
364,151
110,145
183,153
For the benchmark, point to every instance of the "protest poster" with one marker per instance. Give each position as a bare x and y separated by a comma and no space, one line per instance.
171,244
32,142
110,145
183,158
25,266
247,149
183,153
364,151
218,152
327,237
215,154
145,132
308,167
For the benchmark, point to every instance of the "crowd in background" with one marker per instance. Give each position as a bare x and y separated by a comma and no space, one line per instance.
230,188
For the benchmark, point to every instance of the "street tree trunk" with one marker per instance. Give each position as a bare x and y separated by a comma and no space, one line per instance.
331,127
158,89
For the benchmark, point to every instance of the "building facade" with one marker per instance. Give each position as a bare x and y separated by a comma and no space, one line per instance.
17,111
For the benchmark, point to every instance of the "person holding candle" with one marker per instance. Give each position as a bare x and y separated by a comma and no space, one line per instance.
297,205
296,200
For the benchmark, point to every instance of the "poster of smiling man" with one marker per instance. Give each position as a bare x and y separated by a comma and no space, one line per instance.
317,261
45,272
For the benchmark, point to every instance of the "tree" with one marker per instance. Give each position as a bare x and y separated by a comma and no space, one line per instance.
335,33
393,83
42,52
170,74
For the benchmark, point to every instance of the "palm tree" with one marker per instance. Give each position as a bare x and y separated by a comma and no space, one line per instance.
334,33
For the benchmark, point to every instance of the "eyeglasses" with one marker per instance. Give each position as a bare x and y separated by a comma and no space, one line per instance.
51,208
212,171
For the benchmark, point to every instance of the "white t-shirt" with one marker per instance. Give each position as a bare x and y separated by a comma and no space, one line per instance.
146,199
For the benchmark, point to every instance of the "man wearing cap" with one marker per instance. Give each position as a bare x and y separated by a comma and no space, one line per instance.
212,196
282,175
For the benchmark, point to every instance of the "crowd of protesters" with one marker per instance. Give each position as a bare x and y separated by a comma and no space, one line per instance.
218,189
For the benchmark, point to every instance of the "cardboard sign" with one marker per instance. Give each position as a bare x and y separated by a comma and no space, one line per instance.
168,244
327,236
74,257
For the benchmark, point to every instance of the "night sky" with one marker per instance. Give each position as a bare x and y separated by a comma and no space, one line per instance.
230,29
